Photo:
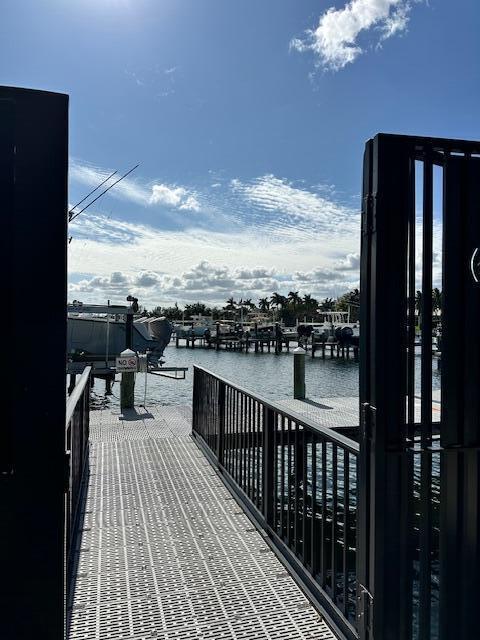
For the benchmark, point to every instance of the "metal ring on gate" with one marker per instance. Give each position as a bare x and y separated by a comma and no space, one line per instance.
475,265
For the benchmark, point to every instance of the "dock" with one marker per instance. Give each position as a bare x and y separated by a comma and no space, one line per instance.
164,551
324,350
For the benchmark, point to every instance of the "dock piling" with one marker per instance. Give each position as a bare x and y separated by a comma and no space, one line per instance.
299,373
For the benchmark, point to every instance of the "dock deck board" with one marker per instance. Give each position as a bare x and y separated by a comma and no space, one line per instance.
165,552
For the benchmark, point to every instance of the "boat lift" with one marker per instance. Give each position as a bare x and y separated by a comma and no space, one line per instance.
108,371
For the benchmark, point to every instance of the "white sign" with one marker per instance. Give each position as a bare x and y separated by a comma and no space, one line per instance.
127,363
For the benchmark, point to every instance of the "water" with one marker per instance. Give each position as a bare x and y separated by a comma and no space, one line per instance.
267,374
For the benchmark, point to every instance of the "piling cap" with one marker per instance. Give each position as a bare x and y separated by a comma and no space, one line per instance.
128,353
299,350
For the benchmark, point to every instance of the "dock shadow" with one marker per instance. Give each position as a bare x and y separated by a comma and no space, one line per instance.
317,404
133,415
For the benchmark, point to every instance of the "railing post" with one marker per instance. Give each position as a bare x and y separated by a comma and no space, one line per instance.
268,459
195,400
221,422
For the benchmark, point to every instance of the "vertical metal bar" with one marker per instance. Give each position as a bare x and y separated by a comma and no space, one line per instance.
411,300
236,439
269,466
248,448
282,479
274,454
324,549
297,467
7,195
346,524
427,258
221,423
260,467
426,406
384,560
305,551
313,534
225,427
334,520
290,512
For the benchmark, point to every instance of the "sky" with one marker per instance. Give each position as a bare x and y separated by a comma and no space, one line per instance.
249,120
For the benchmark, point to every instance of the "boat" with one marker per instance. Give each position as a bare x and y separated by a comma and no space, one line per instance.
100,333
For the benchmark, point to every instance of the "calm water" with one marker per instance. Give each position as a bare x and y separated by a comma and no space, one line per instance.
265,373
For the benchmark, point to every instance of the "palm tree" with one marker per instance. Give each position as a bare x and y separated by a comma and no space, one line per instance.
231,306
294,299
264,304
436,300
310,303
278,300
327,305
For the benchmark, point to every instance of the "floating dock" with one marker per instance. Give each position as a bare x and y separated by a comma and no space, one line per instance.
163,550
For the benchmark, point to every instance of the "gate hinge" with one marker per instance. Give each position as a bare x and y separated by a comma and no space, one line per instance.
364,610
368,215
66,471
368,417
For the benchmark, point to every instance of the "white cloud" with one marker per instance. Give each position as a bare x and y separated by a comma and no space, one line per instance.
176,197
299,206
335,41
135,191
351,262
256,234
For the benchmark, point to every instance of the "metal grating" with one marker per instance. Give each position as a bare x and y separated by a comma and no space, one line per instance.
327,412
165,552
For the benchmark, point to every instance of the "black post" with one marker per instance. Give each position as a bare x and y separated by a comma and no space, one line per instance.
33,206
129,331
221,423
269,453
385,478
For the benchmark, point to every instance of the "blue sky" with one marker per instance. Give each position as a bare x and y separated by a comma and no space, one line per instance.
249,119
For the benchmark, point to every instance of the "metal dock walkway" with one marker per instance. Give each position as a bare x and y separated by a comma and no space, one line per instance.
165,552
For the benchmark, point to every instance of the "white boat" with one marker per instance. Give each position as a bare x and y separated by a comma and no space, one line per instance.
105,336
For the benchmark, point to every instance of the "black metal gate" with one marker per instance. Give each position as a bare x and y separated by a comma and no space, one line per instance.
419,474
33,240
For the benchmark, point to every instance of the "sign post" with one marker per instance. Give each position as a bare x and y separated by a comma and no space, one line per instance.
127,365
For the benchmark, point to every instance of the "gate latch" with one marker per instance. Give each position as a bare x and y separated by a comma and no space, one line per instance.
364,610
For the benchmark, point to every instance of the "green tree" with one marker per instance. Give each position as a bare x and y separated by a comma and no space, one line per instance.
264,304
310,304
436,301
197,308
328,304
294,300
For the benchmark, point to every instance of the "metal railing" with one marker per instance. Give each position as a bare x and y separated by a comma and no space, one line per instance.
76,448
297,479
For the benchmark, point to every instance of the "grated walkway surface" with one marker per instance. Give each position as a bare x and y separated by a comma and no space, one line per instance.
165,552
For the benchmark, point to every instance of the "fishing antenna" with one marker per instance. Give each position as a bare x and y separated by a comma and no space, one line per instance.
104,192
70,213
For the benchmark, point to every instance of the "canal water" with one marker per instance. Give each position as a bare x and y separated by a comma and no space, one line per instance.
266,374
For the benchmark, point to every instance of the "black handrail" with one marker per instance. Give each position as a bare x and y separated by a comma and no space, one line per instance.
76,448
334,436
297,479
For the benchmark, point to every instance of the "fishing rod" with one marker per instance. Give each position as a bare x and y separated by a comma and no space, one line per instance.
104,192
70,213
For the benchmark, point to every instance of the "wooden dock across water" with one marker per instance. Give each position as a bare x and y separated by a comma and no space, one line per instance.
164,551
